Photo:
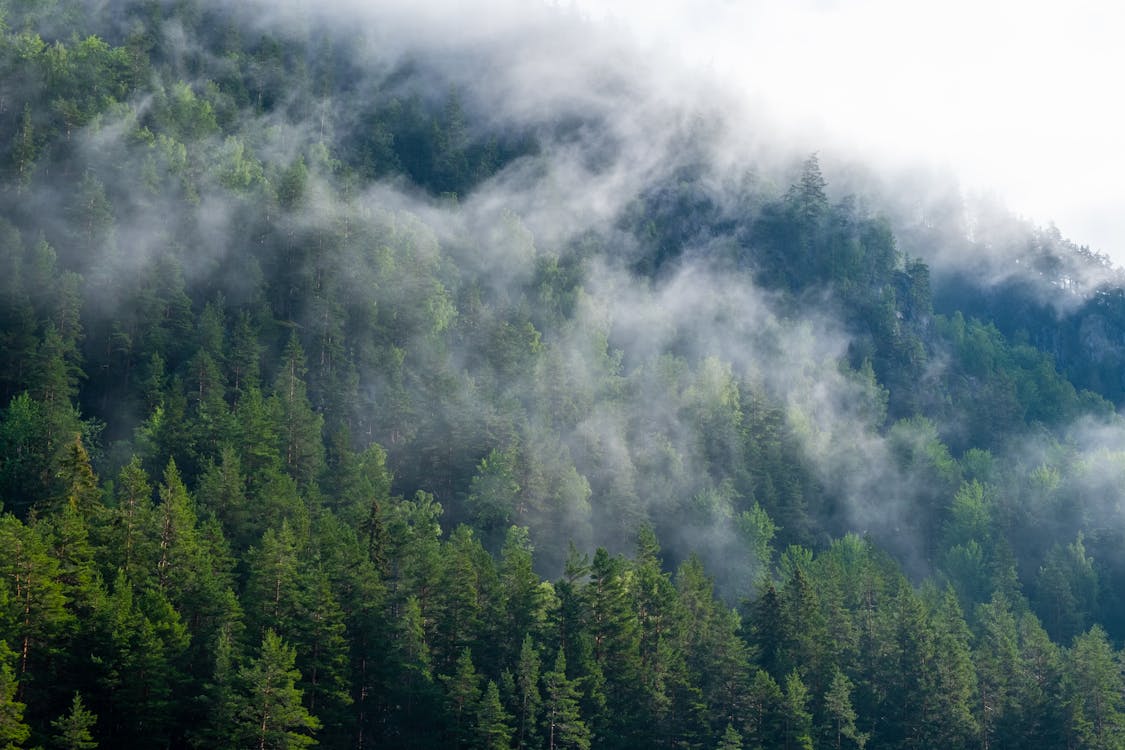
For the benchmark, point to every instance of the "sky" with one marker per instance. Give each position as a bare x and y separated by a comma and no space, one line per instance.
1020,99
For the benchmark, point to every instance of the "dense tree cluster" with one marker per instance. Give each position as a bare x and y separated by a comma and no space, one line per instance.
294,452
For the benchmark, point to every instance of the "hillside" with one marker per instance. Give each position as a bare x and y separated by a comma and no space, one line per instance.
378,378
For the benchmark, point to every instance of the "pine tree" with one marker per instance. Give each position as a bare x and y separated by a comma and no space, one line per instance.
413,700
268,710
124,542
1095,692
955,682
300,435
613,628
795,709
222,491
766,719
72,731
13,731
997,661
79,483
219,697
493,728
463,690
731,739
274,598
838,704
563,723
528,699
522,595
35,615
322,650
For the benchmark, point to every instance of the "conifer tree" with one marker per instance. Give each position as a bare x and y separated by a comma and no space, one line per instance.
731,739
268,709
493,728
13,731
798,718
463,690
124,542
72,730
300,429
766,720
79,483
562,722
35,615
1095,692
528,698
838,705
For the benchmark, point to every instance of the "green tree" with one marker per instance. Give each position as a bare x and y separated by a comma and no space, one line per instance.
268,708
300,430
766,720
997,659
528,698
72,731
494,493
838,705
123,542
798,718
731,739
1095,692
13,731
463,689
493,728
562,722
35,616
79,483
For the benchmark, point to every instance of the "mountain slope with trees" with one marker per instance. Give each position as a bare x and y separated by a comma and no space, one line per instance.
342,406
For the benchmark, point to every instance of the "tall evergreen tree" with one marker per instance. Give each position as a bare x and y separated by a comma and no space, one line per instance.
13,731
562,723
72,730
268,708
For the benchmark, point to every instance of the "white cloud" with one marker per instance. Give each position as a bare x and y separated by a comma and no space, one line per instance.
1017,98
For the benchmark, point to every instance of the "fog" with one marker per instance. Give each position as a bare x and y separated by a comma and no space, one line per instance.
619,99
1013,98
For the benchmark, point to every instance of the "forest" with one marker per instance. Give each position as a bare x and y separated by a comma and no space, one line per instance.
368,385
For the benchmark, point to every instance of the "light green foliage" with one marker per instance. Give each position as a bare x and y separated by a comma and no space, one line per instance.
838,705
731,739
494,495
1094,692
72,730
13,731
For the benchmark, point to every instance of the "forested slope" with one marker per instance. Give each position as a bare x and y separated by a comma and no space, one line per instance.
367,390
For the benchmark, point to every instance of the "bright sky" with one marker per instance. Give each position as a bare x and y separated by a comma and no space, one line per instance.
1022,98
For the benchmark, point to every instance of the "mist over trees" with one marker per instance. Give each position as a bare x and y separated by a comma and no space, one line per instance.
363,388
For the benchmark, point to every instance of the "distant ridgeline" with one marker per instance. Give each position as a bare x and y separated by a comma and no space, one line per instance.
338,409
